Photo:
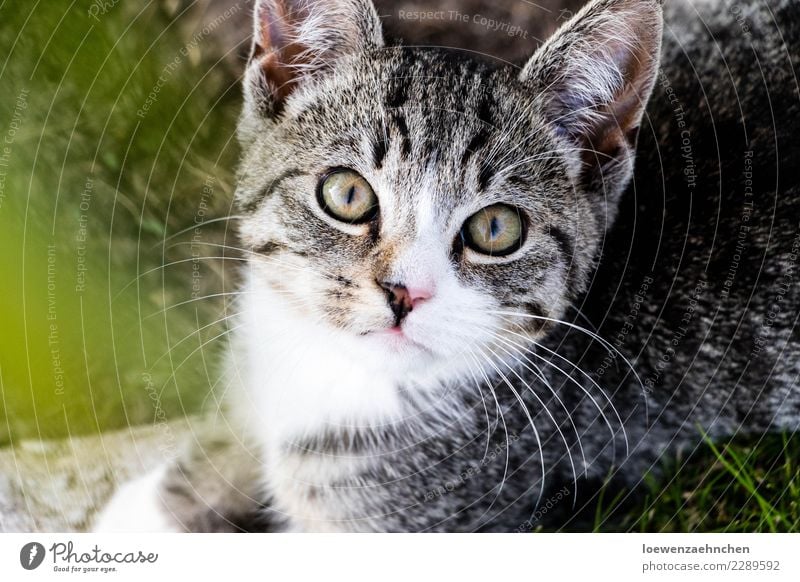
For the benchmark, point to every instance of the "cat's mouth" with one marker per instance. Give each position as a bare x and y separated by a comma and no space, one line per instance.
396,338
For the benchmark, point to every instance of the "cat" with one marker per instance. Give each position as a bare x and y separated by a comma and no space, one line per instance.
474,291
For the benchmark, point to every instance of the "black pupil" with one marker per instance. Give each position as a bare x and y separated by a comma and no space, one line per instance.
494,227
351,194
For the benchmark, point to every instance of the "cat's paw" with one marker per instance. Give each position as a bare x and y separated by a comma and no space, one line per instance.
137,507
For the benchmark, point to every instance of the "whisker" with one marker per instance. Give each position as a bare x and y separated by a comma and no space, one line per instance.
530,420
189,260
198,330
502,420
590,333
537,371
308,293
217,246
549,414
485,408
260,258
195,299
140,276
583,316
583,388
589,395
193,352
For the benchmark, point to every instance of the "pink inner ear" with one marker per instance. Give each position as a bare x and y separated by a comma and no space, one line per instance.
279,75
617,126
275,48
597,74
273,25
637,70
300,39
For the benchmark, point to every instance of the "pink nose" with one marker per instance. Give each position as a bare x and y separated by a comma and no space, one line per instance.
418,294
402,299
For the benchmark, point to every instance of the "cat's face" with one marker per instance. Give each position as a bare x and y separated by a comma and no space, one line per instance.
425,206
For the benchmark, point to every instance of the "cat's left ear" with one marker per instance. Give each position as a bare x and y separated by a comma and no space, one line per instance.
594,78
295,40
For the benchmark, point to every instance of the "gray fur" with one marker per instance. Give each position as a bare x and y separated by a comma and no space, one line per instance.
647,264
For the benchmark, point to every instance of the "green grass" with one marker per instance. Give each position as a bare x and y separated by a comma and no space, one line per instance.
745,485
83,82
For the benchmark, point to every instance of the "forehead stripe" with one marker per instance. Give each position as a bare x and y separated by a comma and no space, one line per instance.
252,204
402,128
380,145
482,135
397,93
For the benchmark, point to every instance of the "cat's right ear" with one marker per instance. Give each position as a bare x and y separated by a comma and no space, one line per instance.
296,40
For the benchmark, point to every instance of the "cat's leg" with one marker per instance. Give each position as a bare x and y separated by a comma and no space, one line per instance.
138,507
214,487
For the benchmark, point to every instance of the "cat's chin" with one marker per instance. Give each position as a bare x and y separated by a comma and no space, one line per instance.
408,361
397,341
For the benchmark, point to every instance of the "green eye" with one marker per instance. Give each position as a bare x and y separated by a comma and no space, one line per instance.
348,197
497,230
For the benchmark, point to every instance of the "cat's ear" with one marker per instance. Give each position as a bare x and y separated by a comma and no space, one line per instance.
297,39
594,77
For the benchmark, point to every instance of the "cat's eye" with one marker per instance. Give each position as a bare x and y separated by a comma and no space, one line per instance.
347,196
497,230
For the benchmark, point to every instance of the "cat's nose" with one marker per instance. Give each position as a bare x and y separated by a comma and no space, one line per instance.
402,299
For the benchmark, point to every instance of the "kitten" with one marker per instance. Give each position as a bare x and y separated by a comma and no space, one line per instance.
461,308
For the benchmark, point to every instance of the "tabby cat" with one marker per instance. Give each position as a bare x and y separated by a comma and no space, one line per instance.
462,309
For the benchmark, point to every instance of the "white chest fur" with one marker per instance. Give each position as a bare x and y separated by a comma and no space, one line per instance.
300,377
297,380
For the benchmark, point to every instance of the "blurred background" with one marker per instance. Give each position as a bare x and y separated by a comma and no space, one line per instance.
117,133
118,255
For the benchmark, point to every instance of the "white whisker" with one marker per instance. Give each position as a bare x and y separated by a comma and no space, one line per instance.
581,386
530,420
502,420
576,327
549,414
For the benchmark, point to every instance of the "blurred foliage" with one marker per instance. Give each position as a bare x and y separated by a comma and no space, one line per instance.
116,132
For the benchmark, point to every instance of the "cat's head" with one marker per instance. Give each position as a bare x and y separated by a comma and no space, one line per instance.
424,204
